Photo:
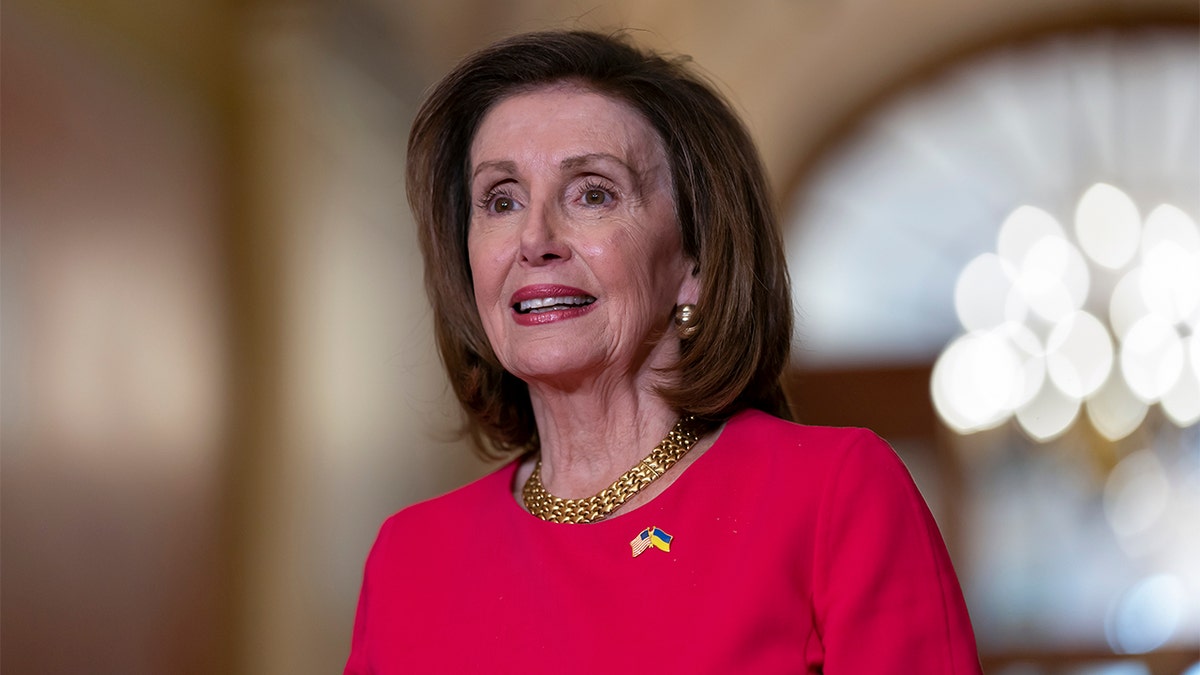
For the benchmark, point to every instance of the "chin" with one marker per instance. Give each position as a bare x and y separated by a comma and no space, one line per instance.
553,363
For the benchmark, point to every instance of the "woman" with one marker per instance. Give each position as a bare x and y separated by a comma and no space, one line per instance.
609,291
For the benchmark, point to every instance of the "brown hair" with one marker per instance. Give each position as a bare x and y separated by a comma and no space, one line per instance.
724,206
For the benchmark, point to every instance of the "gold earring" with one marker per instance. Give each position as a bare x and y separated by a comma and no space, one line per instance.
685,320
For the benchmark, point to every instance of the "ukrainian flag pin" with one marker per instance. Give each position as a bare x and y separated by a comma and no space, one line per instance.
651,536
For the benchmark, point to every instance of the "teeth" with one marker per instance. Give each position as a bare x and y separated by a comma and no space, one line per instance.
540,303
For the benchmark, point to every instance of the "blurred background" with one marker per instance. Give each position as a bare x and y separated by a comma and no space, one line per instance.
218,369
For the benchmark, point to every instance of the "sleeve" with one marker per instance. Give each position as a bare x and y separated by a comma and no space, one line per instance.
885,594
357,663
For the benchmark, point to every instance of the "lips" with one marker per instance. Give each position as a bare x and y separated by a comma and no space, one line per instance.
549,302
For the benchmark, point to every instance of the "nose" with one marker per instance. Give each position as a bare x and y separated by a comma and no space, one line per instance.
541,236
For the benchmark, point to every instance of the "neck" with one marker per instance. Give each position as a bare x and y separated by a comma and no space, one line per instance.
590,437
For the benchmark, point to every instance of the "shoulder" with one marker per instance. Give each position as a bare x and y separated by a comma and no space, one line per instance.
851,481
839,465
798,469
778,440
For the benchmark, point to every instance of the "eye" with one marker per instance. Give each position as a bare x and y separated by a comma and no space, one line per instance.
595,194
498,200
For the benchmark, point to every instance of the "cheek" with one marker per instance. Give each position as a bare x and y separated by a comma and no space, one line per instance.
483,268
487,288
645,266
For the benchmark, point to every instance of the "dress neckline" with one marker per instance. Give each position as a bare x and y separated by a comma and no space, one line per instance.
719,444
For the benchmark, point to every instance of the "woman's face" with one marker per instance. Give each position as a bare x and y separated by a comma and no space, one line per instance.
573,240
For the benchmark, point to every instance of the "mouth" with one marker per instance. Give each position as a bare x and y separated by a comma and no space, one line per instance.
552,304
541,304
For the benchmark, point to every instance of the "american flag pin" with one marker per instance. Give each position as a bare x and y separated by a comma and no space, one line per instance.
651,536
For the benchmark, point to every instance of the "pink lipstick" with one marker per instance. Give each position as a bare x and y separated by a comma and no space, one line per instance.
544,303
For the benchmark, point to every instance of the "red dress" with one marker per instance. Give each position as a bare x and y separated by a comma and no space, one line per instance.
792,549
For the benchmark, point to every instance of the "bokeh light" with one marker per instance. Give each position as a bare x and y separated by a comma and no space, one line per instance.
974,381
1147,615
1136,493
1181,403
1108,226
1114,411
1151,357
1049,414
982,291
1054,279
1033,350
1170,281
1079,354
1023,228
1032,356
1127,304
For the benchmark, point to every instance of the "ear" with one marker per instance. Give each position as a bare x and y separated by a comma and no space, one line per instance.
689,290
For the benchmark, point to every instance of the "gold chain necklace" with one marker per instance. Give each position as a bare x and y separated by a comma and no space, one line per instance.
546,506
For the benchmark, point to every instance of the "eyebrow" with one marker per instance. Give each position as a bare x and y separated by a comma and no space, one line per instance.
583,160
504,165
508,166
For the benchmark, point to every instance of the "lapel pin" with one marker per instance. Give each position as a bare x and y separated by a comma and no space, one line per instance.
651,536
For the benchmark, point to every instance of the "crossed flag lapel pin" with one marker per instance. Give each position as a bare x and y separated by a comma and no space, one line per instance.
651,536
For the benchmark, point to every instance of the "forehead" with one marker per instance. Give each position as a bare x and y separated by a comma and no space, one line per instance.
562,121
